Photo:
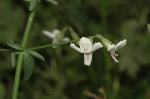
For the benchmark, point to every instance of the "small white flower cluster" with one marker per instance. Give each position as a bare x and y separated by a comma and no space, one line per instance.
86,47
112,48
56,36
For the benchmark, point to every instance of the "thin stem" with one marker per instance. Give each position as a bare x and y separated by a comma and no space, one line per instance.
20,57
51,45
42,46
58,44
4,50
17,76
28,28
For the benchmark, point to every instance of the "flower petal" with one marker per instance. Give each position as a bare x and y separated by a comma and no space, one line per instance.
113,55
66,39
88,59
120,44
49,34
85,45
56,32
72,45
96,46
111,48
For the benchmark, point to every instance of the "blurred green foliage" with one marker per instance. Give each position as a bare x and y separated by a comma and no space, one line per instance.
63,75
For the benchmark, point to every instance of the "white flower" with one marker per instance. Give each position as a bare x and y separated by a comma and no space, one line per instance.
56,36
87,48
112,48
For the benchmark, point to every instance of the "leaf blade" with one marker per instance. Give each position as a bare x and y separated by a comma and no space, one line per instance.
14,45
37,55
28,65
13,59
32,4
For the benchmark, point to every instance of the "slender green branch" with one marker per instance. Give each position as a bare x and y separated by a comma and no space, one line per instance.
20,57
17,76
51,45
58,44
5,50
42,46
28,28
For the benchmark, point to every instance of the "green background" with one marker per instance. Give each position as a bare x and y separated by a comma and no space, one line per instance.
63,75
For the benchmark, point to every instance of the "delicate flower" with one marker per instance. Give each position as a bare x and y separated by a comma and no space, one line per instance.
112,48
87,48
56,36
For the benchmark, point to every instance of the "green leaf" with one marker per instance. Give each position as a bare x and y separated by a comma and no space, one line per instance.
32,4
37,55
14,45
13,59
53,2
28,65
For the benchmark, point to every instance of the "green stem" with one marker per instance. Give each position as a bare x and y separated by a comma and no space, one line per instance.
51,45
4,50
17,76
20,57
28,28
58,44
42,46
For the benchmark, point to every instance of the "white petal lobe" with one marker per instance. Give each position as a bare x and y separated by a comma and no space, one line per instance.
48,34
85,45
88,59
66,39
120,44
72,45
111,48
96,46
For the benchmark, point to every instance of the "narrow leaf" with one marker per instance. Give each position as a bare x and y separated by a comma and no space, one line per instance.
14,45
28,65
37,55
13,59
53,2
32,4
